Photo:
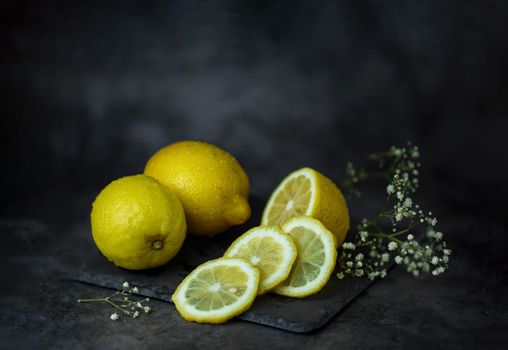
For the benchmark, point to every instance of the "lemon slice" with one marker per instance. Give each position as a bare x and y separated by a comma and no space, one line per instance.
308,192
217,290
316,259
269,249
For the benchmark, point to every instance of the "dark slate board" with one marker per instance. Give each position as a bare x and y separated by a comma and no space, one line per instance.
295,315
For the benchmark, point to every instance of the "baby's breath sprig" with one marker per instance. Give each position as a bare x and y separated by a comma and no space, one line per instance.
123,302
390,235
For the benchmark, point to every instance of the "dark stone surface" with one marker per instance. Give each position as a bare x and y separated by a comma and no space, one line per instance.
90,91
290,314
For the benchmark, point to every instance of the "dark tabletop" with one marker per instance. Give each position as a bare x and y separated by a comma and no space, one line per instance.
91,91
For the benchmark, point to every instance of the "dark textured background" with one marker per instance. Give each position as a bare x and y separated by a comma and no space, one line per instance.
90,91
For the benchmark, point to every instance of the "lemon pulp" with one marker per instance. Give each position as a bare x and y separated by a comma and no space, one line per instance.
217,290
269,249
316,258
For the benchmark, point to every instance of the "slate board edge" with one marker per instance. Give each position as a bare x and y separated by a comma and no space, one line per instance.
274,322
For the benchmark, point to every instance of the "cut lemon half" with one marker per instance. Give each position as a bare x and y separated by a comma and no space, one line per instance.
269,249
316,258
217,290
308,192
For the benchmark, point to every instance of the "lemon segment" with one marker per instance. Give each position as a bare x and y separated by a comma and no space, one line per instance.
308,192
269,249
217,290
210,183
317,256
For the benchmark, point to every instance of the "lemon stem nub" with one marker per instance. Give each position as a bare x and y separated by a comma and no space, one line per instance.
157,244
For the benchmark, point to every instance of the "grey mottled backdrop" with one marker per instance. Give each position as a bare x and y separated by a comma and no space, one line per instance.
91,89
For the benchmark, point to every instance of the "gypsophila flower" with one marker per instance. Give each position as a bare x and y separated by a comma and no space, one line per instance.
374,242
122,301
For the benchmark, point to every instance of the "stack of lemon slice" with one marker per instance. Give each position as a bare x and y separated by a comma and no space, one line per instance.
292,254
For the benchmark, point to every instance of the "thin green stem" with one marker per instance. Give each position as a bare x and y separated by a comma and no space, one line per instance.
91,300
118,307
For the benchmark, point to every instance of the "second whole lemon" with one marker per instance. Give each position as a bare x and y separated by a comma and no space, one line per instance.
210,183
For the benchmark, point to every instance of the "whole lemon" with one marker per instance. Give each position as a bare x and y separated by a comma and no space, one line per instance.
209,182
137,223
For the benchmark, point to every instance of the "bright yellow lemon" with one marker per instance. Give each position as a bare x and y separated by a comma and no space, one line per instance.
209,182
137,223
308,192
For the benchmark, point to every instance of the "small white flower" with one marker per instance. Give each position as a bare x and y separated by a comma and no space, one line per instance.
435,260
147,299
398,259
136,314
340,275
410,237
147,309
135,290
125,285
383,274
446,259
392,246
439,236
359,264
390,189
359,257
447,252
385,257
408,202
349,264
114,316
138,304
359,272
349,246
398,217
400,195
